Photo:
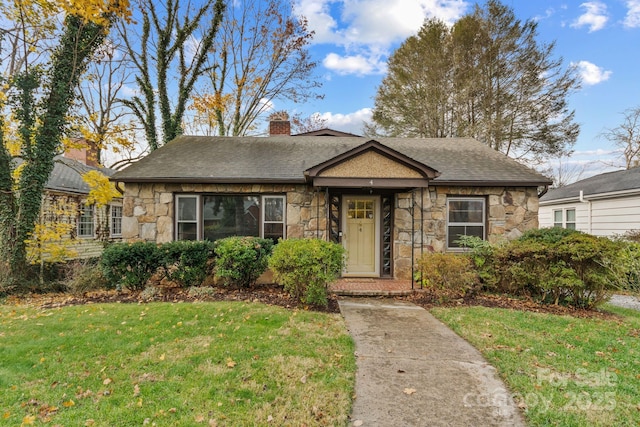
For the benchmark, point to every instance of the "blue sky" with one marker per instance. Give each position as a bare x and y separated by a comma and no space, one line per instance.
353,39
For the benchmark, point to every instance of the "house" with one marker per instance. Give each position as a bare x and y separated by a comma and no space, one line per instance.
387,200
603,205
70,227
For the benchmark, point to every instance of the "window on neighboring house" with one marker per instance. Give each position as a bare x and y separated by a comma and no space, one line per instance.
86,221
465,217
565,218
116,221
216,216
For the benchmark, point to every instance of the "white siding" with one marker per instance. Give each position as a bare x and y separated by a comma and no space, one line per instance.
606,217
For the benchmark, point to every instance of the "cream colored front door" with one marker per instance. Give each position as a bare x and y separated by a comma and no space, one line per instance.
360,235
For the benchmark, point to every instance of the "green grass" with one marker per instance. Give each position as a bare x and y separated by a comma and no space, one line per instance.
237,364
563,371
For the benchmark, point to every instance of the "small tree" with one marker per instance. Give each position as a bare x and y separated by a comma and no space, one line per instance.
626,136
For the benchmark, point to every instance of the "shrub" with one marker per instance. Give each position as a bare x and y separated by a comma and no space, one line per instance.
130,265
84,275
447,272
187,262
561,268
481,253
548,234
241,260
627,266
305,267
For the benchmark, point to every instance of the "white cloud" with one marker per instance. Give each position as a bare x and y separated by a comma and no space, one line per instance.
632,20
354,64
595,16
373,22
590,73
351,122
366,29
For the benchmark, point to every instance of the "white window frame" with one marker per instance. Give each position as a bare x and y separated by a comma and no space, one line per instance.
112,231
81,232
565,218
263,212
198,219
482,224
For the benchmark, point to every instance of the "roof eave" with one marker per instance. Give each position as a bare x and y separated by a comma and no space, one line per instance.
489,183
208,180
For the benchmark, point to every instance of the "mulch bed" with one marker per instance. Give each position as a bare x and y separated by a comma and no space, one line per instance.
275,295
267,294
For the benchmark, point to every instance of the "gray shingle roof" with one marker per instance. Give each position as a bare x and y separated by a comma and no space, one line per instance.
609,182
67,176
285,158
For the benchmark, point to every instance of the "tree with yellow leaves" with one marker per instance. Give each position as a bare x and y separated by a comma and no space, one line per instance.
37,95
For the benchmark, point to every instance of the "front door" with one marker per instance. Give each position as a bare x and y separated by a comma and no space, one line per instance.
360,235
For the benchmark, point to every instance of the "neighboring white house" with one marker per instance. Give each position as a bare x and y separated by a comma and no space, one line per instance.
603,205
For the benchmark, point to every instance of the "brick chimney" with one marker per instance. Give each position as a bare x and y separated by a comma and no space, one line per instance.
84,151
279,124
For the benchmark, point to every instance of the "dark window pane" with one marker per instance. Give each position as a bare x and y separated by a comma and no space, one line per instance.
454,235
273,209
187,231
466,211
273,231
187,208
225,216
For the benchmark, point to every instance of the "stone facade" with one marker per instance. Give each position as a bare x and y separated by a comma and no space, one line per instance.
149,211
510,212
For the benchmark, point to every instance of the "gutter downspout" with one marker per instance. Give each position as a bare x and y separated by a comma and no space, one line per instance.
583,200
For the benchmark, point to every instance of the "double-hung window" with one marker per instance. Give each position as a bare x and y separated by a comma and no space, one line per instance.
187,217
116,221
564,218
86,221
273,209
216,216
465,217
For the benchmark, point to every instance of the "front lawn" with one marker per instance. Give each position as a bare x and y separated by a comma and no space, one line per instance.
219,363
562,370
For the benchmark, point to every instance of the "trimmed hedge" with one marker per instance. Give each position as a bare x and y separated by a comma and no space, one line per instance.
131,265
553,265
447,271
241,260
187,263
306,267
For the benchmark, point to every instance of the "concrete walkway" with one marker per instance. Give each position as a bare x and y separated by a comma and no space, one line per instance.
414,371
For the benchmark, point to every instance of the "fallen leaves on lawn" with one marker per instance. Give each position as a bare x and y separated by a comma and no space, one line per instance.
230,363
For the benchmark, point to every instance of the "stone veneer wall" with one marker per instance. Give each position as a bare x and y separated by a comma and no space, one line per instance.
510,212
148,209
148,213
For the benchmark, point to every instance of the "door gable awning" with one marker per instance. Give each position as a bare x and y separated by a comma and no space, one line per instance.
371,165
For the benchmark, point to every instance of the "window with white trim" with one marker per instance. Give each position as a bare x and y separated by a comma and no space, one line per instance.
565,218
273,212
465,217
216,216
115,222
187,218
86,225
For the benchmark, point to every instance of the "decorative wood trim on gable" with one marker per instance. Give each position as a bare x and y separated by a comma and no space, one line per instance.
371,165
